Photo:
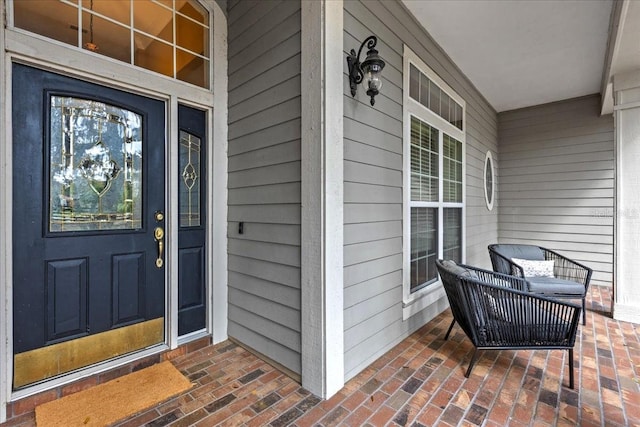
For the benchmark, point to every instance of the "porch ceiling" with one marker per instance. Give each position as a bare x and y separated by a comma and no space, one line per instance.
522,53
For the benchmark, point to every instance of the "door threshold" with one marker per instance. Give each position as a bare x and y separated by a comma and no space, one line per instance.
87,372
192,336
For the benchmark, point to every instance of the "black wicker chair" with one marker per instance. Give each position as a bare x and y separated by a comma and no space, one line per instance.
570,281
496,313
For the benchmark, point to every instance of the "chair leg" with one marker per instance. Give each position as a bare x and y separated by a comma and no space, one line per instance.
446,337
584,311
474,359
571,368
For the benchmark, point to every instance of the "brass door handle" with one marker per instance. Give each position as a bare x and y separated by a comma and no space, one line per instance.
158,233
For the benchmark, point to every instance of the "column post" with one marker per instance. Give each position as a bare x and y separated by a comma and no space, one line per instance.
626,291
322,68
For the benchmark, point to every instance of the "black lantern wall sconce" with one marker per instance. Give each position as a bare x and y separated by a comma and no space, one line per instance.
368,71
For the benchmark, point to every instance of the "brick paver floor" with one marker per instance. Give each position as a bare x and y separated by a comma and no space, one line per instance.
421,382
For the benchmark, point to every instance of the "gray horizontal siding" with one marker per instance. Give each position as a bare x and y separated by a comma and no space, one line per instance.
276,292
286,152
273,134
373,180
264,178
557,181
278,173
271,116
269,272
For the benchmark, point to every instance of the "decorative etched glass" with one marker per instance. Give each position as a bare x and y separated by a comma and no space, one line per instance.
95,173
189,180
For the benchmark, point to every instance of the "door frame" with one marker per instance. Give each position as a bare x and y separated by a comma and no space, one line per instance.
20,46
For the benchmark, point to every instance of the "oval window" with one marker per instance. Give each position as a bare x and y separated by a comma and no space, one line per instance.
489,181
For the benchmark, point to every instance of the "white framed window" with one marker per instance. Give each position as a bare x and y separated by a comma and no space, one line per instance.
434,178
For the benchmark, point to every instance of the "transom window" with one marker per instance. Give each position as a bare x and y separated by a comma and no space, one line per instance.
429,94
434,175
170,37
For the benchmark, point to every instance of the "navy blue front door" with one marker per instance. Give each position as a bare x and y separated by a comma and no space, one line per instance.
88,223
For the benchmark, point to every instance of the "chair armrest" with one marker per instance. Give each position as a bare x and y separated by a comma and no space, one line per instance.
567,269
499,279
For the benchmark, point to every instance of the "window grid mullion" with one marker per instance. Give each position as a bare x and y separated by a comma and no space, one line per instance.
132,35
174,43
80,24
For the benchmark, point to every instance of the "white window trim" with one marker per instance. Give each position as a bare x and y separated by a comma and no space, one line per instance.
6,324
421,299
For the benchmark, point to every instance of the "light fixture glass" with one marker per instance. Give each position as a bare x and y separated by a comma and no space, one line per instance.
372,78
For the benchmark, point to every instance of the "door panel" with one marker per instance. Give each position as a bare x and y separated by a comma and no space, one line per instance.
191,270
192,303
66,298
128,288
88,175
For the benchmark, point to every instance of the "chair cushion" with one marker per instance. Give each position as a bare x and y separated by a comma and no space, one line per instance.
457,270
535,268
520,251
510,251
555,286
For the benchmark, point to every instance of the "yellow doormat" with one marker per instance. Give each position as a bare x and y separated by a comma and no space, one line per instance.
115,400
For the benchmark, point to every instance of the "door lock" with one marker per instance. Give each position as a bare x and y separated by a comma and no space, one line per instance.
158,233
159,216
